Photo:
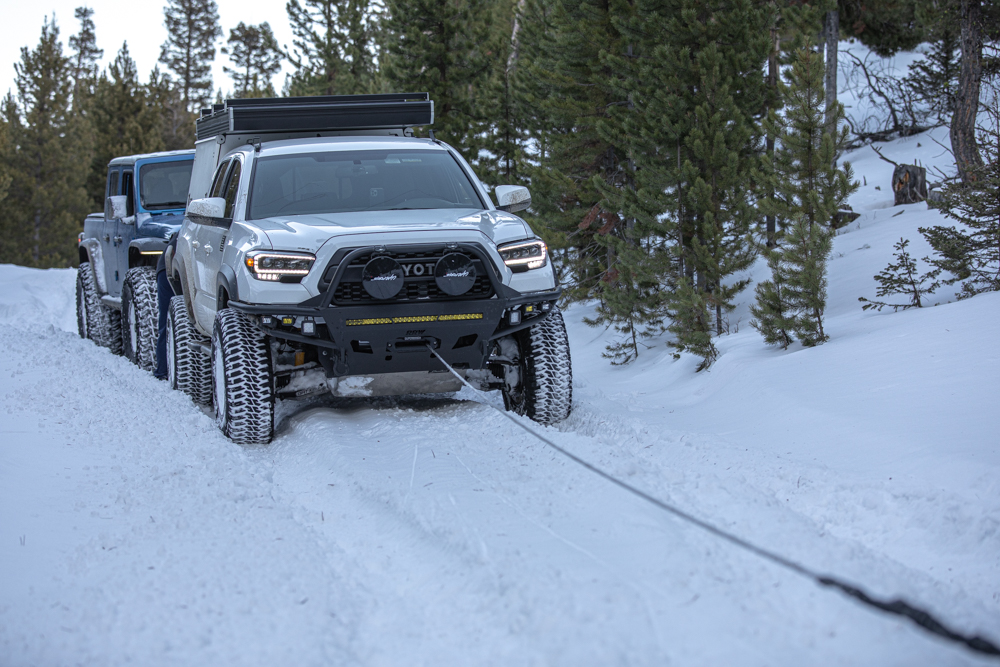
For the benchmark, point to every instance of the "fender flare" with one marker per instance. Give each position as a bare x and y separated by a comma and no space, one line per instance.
153,245
225,283
90,250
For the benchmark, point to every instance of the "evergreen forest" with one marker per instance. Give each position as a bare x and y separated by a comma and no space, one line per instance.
667,144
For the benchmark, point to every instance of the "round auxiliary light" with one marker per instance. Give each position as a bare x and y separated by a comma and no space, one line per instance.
382,277
455,274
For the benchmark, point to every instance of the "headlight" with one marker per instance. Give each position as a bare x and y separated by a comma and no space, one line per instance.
283,267
524,255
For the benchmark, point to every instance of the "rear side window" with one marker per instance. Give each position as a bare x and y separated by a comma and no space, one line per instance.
112,183
128,189
233,187
220,179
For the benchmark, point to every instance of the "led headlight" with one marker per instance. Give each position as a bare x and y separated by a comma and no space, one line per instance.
275,266
524,255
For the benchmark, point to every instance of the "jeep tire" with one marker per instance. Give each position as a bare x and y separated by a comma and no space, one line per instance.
94,320
242,379
139,317
188,370
538,382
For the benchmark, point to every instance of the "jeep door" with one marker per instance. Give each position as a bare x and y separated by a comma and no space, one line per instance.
124,232
108,232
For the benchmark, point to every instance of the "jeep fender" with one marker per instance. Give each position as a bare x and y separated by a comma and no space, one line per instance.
90,251
152,247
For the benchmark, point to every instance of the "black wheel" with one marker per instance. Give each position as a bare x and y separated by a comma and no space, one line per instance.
94,320
139,317
538,381
188,369
242,379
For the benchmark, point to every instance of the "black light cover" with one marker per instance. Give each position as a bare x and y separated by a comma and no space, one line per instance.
455,274
382,277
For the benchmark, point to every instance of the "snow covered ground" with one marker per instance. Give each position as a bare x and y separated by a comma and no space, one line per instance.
430,530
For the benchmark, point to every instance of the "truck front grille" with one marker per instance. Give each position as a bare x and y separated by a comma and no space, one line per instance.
418,281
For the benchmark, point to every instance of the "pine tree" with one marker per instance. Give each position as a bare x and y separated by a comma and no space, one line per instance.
901,277
807,189
771,310
46,200
177,123
125,122
85,57
691,86
256,57
438,46
499,147
803,173
933,80
192,30
335,50
562,78
971,251
807,248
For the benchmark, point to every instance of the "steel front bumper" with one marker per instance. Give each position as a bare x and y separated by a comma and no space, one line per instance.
392,337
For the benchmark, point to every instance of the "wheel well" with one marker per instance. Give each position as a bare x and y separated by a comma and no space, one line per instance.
84,257
223,298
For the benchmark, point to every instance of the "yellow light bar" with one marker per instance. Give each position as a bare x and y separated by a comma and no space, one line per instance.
411,320
150,252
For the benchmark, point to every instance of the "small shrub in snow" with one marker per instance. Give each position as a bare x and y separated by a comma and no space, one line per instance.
901,278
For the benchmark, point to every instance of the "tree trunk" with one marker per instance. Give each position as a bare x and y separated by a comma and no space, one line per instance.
772,84
832,43
963,120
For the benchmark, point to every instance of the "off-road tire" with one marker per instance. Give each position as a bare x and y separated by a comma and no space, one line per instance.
242,379
544,387
139,317
94,320
188,370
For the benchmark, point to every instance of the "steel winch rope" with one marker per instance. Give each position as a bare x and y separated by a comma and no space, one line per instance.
898,607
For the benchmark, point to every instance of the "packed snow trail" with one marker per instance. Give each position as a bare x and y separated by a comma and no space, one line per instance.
922,617
430,530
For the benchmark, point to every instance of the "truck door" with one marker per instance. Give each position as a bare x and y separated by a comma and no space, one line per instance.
124,232
202,253
109,229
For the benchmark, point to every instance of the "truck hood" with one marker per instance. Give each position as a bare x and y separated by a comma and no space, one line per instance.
309,232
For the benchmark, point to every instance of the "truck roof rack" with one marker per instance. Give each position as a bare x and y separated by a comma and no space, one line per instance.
316,114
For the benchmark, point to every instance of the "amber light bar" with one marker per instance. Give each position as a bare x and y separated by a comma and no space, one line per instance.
415,319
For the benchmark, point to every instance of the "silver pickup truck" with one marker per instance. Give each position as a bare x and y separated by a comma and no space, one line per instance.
325,249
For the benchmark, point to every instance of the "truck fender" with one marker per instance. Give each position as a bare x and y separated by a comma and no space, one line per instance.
226,285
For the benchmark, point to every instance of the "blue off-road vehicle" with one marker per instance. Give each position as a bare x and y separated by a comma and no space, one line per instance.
145,198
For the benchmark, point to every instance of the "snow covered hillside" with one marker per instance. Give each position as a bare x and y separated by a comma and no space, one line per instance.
430,530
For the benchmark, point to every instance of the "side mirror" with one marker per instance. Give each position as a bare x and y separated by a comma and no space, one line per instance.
116,207
210,207
512,198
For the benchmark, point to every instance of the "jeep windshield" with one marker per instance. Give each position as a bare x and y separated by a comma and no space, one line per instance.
164,185
347,181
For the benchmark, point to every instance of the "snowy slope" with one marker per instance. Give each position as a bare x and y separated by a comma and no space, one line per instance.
432,531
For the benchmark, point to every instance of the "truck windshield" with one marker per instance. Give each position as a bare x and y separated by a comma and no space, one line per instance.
343,181
164,185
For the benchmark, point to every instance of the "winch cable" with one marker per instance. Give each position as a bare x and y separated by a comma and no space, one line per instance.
898,607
